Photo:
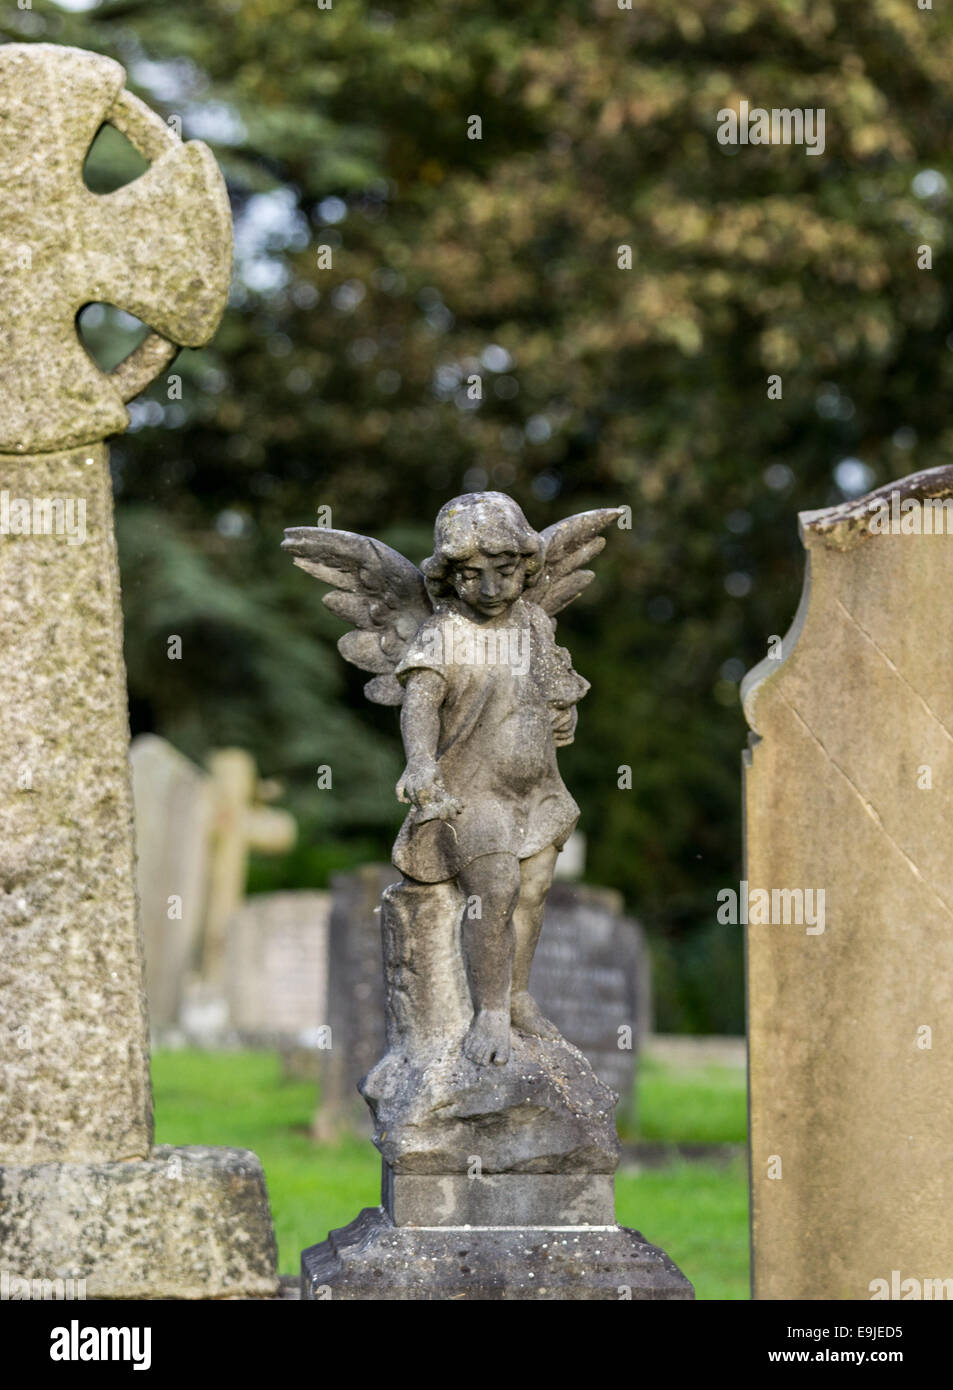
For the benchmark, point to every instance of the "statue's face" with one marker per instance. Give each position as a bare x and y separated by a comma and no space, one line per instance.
489,582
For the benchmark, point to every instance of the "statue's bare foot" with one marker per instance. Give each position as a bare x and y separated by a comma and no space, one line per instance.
488,1039
526,1017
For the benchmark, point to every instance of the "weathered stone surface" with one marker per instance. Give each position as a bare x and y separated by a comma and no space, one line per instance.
849,790
373,1259
81,1196
174,807
590,976
542,1112
159,248
189,1223
276,967
498,1199
73,1049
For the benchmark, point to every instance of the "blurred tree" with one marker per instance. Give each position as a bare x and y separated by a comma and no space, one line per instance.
468,324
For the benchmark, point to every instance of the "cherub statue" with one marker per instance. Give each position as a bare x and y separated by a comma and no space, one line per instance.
465,645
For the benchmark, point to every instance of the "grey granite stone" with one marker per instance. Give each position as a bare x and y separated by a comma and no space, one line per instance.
356,1006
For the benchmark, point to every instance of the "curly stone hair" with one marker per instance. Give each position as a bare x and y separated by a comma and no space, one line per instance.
480,521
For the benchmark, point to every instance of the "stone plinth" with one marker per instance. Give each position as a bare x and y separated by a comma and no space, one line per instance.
374,1259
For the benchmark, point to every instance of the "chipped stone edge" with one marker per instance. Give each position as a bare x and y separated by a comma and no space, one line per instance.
834,528
848,523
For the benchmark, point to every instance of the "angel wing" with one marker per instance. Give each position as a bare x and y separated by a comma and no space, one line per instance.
375,589
570,544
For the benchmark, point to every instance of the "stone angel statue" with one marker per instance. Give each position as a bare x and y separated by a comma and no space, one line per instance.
465,646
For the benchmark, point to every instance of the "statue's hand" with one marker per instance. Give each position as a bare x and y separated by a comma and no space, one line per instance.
422,786
564,724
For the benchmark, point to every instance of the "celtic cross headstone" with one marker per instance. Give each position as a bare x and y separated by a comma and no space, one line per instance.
75,1099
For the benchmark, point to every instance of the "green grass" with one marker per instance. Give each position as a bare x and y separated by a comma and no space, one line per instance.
698,1105
697,1212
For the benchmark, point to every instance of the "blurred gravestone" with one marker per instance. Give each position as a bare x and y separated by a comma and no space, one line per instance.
173,826
590,976
276,969
355,997
83,1192
242,822
195,830
849,795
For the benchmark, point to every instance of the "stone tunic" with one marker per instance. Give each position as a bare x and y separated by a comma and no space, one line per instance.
496,751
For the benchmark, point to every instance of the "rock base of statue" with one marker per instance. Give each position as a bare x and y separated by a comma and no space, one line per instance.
544,1111
498,1179
374,1259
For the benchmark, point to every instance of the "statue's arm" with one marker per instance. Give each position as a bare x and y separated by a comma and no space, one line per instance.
421,784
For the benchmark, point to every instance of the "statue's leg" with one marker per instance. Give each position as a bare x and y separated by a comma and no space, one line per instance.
492,885
536,875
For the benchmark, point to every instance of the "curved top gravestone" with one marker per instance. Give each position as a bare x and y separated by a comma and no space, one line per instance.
158,248
848,903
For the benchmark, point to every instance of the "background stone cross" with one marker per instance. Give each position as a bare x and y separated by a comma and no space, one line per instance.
75,1097
159,248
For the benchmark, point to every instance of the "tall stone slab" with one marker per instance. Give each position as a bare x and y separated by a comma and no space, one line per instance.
74,1057
82,1192
849,793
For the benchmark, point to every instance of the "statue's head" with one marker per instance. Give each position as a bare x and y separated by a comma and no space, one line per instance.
485,552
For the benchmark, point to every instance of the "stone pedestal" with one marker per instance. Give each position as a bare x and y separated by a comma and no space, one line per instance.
497,1180
374,1259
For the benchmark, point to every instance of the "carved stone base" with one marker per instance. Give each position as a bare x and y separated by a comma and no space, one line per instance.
376,1260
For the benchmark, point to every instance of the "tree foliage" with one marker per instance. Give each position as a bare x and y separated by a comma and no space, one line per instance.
498,258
